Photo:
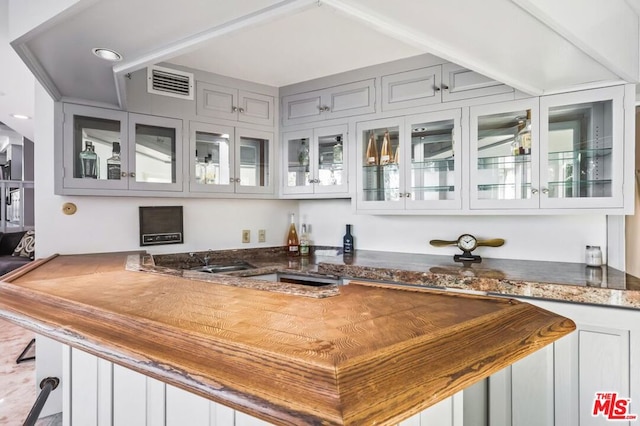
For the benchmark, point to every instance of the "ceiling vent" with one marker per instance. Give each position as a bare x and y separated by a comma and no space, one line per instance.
168,82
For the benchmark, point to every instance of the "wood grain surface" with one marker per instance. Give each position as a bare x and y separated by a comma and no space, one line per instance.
372,355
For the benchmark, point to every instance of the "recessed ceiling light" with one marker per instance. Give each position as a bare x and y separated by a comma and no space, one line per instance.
21,116
107,54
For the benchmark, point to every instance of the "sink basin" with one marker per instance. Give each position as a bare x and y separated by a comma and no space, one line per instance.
223,267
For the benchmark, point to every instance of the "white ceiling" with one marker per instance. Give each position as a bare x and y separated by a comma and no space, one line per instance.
537,46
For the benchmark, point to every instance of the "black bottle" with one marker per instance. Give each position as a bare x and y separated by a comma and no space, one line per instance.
347,242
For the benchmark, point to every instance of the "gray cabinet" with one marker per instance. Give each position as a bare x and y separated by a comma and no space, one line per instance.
234,104
340,101
436,84
150,150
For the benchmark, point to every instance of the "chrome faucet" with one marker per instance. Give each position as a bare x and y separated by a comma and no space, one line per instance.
203,260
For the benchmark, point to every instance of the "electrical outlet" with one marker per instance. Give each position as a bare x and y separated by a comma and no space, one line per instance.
246,236
262,235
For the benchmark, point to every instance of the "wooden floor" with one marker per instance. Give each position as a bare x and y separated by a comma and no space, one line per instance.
17,381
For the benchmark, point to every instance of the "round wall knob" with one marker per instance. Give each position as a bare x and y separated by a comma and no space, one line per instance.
69,208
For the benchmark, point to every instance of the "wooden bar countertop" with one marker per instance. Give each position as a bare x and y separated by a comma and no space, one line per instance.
368,355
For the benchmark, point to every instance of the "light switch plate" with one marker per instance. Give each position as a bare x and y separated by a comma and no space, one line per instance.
262,235
246,236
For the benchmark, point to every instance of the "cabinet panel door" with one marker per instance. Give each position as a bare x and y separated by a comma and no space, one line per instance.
302,108
254,162
298,158
434,161
411,88
255,108
216,101
84,388
97,128
129,397
350,99
504,164
211,158
531,389
331,160
155,153
185,408
581,149
461,83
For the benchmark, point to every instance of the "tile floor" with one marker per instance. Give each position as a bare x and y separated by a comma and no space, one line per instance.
17,381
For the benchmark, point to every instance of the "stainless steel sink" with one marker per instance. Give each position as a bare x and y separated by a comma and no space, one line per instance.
224,267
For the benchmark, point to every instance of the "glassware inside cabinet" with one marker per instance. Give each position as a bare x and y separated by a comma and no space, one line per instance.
254,162
93,141
298,173
504,156
213,158
330,166
580,161
155,154
381,174
432,161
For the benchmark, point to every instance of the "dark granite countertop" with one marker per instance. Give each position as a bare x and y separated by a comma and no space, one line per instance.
571,282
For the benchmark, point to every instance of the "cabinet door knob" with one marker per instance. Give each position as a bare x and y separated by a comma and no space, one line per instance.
436,88
401,195
445,87
231,180
132,174
123,174
241,109
237,180
408,195
234,109
534,191
545,190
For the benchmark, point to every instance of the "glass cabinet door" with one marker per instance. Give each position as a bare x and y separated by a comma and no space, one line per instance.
155,148
330,159
298,157
211,158
582,149
505,155
380,158
92,138
435,173
254,157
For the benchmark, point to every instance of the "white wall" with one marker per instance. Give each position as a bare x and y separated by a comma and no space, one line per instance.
552,238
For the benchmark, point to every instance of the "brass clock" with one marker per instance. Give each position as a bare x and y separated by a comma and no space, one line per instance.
467,243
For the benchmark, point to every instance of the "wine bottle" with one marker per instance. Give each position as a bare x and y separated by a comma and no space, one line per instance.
293,243
372,151
386,153
89,162
524,135
199,169
304,240
113,162
347,242
303,154
337,151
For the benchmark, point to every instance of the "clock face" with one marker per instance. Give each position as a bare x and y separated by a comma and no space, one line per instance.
467,242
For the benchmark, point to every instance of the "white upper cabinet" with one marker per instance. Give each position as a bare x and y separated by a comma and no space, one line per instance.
234,104
410,163
226,159
566,153
334,102
111,152
436,84
505,155
315,162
